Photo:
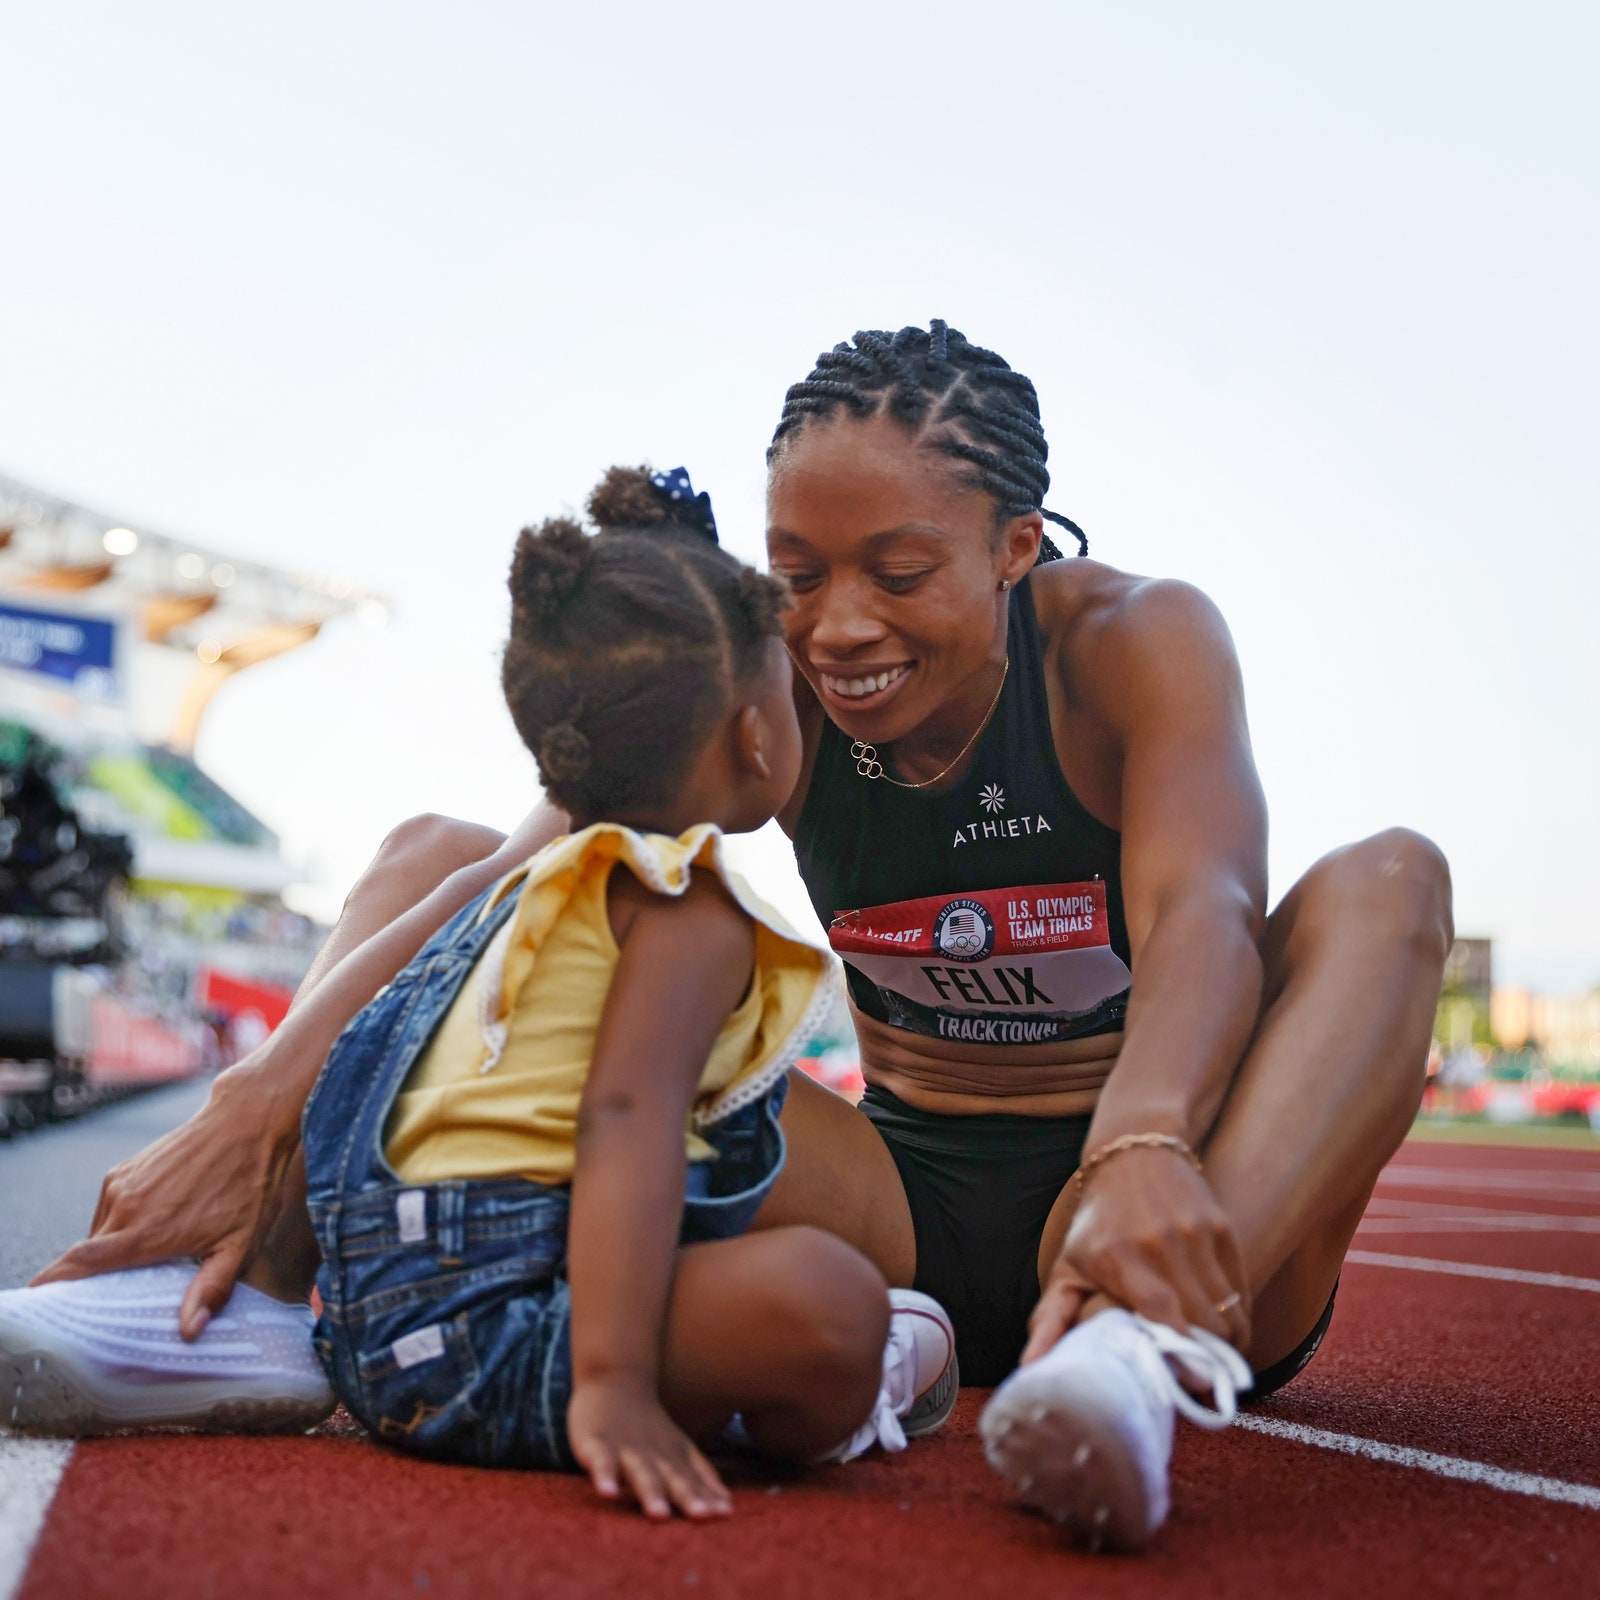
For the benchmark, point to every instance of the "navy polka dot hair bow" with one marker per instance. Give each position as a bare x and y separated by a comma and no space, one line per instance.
675,486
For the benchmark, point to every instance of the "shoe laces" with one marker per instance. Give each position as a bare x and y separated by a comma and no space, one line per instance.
895,1397
1209,1361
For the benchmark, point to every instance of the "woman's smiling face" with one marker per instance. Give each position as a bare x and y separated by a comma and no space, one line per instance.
895,569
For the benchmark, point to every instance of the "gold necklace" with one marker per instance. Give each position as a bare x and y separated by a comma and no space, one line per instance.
868,765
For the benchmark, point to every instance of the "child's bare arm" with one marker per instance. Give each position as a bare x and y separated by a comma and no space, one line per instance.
685,965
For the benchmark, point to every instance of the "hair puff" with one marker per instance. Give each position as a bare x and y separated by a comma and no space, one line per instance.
564,756
626,498
548,567
764,598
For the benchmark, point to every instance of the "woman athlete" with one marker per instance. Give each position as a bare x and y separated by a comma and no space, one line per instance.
1029,817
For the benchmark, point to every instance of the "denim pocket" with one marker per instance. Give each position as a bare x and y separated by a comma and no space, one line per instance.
418,1389
750,1152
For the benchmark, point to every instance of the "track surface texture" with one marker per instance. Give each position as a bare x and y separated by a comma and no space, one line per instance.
1446,1441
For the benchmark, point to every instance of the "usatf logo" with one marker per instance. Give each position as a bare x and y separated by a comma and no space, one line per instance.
992,797
963,931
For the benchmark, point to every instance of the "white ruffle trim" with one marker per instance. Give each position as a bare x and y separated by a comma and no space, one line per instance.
490,1027
748,1090
646,865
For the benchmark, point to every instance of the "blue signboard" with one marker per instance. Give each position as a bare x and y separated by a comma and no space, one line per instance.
77,651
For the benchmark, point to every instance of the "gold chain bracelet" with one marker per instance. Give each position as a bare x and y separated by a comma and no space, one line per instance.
1134,1141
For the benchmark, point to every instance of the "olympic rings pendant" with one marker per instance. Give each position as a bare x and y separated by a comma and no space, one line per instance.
868,765
866,760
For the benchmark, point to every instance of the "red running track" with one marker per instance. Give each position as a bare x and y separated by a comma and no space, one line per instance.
1481,1369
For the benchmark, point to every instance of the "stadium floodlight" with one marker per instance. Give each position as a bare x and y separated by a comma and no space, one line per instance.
223,612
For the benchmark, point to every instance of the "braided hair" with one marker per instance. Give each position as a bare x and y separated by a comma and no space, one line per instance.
958,398
628,644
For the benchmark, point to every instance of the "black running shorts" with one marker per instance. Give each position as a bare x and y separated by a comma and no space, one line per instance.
980,1189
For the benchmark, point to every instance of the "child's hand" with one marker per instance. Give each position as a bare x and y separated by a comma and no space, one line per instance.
619,1432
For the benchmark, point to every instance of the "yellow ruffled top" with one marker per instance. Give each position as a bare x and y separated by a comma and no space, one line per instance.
496,1091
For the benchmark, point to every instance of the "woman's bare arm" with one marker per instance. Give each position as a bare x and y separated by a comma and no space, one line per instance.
1148,1231
212,1188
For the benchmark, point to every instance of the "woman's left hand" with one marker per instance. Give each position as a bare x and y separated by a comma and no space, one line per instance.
1150,1235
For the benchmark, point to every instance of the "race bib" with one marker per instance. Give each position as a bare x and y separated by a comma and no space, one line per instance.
996,966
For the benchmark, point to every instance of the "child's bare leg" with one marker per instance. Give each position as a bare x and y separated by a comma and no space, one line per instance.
786,1327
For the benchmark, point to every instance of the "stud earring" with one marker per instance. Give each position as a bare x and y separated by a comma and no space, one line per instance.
1005,583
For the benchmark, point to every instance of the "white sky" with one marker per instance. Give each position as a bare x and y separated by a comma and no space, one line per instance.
1308,293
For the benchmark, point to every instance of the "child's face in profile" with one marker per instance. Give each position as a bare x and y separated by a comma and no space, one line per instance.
780,729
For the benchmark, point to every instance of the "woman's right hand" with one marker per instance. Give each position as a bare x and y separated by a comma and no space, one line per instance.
1149,1235
208,1190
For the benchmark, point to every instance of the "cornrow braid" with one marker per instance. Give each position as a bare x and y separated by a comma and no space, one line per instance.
627,644
962,400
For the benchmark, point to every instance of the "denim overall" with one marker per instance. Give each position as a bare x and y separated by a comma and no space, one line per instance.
446,1321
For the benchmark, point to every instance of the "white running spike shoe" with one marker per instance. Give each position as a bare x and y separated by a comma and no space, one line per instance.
920,1377
97,1354
1085,1432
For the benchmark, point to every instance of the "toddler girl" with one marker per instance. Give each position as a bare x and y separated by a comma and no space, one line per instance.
534,1159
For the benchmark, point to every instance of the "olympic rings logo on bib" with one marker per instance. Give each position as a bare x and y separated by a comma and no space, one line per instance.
964,931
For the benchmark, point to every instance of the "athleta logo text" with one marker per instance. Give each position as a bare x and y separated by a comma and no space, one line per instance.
1001,828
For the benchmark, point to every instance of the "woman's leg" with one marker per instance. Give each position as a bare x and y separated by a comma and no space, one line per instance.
785,1327
415,858
411,863
840,1176
1354,957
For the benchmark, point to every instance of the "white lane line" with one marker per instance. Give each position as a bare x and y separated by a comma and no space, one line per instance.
1427,1224
1577,1186
1469,1269
1388,1215
1400,1455
1392,1206
30,1470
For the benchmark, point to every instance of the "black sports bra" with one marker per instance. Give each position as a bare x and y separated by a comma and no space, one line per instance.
990,912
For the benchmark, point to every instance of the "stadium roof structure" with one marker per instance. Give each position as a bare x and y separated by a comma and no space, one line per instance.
186,598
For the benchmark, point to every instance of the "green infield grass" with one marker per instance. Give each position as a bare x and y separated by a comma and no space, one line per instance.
1550,1135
